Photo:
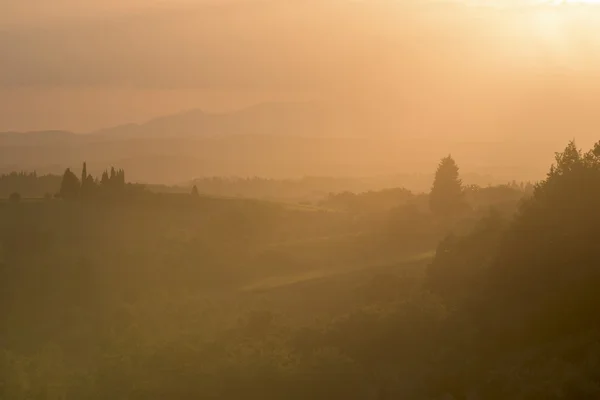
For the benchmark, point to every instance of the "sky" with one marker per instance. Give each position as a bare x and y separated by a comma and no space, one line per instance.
477,66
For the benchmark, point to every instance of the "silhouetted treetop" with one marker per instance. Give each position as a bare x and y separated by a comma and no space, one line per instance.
69,188
104,180
447,197
535,278
84,174
72,187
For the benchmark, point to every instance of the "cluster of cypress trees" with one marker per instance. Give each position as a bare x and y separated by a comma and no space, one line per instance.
72,187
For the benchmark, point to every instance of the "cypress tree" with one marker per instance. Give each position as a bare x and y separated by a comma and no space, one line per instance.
104,181
84,174
121,178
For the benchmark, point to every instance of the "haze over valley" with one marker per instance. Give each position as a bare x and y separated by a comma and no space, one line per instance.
299,199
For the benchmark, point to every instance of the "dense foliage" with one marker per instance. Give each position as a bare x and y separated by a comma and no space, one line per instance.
531,282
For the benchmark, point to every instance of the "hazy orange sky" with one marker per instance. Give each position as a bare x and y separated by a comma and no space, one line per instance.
480,68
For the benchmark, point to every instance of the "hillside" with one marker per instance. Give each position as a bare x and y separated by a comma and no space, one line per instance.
378,295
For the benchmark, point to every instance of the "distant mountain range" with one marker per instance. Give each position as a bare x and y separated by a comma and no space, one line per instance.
261,119
270,140
176,147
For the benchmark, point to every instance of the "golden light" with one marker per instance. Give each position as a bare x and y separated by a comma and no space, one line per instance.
579,1
566,2
532,3
544,33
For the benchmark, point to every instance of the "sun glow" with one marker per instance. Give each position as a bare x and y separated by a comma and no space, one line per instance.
507,4
545,33
559,2
566,2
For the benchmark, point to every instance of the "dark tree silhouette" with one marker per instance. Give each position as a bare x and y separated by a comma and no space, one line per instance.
534,277
195,191
447,197
87,182
113,181
105,179
70,186
547,264
28,184
120,179
84,175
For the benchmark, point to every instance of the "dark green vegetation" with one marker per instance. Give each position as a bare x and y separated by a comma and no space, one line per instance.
183,296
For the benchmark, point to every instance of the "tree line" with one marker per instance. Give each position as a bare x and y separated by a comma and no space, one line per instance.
28,184
72,187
